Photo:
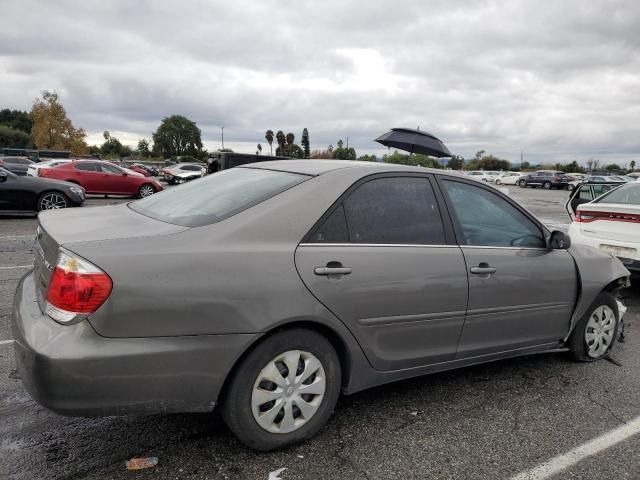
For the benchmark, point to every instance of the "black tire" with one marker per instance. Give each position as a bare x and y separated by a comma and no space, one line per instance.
522,184
236,404
498,182
546,185
577,342
45,198
144,190
571,187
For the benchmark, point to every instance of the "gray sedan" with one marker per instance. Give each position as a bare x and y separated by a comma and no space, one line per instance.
269,289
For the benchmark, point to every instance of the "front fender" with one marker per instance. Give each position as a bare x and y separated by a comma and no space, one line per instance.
596,270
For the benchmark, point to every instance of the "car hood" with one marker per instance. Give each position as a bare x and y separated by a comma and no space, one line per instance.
77,225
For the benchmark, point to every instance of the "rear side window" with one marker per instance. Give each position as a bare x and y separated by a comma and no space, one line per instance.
87,167
585,192
216,196
394,210
333,230
110,169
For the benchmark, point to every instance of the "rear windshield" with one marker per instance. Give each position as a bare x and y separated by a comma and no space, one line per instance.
627,194
216,196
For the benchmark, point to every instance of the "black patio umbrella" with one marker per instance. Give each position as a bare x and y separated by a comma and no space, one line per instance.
414,141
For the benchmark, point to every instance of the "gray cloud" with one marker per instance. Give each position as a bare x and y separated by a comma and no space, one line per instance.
557,80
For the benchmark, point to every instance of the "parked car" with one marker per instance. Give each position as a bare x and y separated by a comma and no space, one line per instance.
546,179
289,282
493,175
479,175
25,194
103,177
585,192
183,172
34,169
152,171
140,170
576,176
508,178
17,165
611,223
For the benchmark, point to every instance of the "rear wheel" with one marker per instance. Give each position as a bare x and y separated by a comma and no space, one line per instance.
594,335
52,201
146,190
522,184
498,182
546,185
571,187
284,391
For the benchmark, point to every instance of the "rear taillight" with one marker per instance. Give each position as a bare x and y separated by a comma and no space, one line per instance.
76,288
1,162
41,172
587,217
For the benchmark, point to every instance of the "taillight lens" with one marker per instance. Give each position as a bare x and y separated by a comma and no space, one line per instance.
76,287
587,217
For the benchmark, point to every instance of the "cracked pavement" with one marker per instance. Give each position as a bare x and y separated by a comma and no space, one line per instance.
488,421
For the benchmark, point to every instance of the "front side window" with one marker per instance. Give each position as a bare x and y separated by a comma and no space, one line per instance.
486,219
394,210
216,196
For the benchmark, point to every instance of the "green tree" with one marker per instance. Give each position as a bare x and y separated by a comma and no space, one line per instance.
456,162
490,162
143,148
259,149
177,136
479,155
572,167
13,138
612,166
290,138
368,158
305,143
281,139
16,119
52,129
342,153
633,165
269,137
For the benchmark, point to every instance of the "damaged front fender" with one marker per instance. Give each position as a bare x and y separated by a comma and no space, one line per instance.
597,271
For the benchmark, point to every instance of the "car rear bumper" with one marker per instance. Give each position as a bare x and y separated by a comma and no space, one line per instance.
72,370
631,263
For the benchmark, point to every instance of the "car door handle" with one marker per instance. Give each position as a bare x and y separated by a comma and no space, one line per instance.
330,269
483,269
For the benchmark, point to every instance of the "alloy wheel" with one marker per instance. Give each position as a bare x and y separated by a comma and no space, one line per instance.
53,201
600,330
288,391
146,190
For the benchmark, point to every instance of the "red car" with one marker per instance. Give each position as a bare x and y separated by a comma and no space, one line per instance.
103,177
137,169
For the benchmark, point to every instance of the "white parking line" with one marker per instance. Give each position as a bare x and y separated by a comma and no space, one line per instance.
33,235
592,447
5,342
17,266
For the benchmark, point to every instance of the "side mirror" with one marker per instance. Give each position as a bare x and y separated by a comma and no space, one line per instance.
559,240
3,177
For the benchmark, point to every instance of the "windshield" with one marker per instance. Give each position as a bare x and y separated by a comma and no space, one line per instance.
216,196
626,194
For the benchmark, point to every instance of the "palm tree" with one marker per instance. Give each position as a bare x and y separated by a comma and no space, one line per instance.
269,137
290,139
280,138
259,149
633,165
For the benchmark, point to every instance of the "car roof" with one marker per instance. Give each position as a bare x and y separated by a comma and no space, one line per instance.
319,167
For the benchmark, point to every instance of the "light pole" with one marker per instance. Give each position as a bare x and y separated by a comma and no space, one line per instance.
222,138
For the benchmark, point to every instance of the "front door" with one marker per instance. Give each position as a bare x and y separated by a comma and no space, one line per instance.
520,292
381,261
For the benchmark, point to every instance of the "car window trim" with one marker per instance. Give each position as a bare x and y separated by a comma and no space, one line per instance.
546,234
449,234
348,244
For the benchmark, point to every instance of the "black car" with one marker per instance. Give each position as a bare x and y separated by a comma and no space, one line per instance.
17,165
23,195
546,179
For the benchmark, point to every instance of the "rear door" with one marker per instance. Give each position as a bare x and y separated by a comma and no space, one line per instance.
520,292
384,262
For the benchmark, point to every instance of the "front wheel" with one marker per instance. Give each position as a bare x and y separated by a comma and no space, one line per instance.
284,391
146,190
571,188
498,182
594,335
52,201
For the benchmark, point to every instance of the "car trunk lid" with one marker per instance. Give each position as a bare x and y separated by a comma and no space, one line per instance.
77,225
611,221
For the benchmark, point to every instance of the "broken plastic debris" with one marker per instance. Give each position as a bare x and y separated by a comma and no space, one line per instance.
142,463
275,475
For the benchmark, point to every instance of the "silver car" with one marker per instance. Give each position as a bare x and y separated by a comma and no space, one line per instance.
269,289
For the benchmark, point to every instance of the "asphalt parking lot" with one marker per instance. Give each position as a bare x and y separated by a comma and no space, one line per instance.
486,422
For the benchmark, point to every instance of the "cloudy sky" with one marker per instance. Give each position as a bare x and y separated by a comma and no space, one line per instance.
557,80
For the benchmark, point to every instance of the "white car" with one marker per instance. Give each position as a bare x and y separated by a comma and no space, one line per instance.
508,178
493,175
35,168
480,175
611,223
183,172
